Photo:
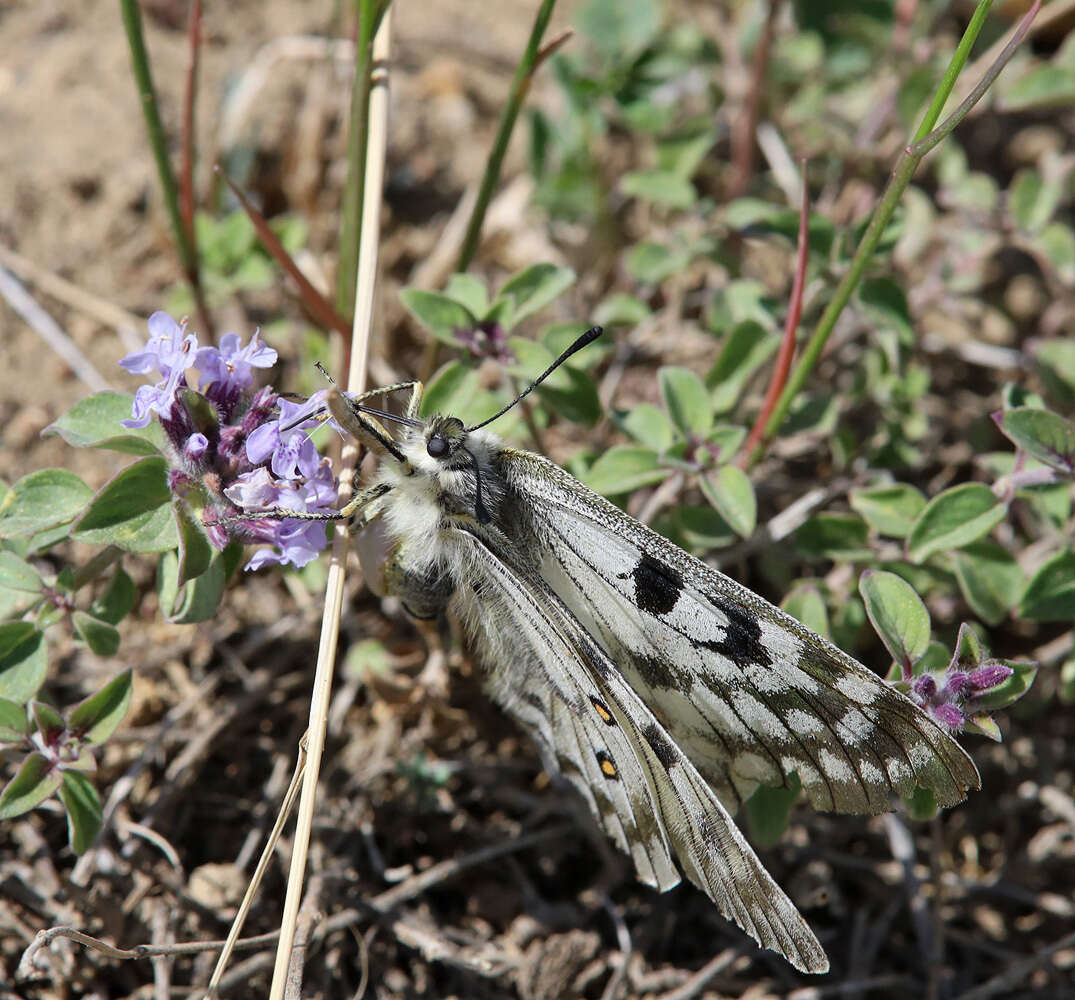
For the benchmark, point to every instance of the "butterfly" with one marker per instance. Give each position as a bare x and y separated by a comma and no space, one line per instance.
663,690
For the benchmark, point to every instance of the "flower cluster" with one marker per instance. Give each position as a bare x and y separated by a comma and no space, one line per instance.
959,694
232,450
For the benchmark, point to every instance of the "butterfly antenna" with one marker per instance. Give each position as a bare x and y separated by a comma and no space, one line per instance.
321,368
587,338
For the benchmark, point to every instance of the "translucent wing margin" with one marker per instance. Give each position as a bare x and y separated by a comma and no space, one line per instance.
559,683
748,693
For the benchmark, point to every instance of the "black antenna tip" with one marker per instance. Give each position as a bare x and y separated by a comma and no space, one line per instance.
587,338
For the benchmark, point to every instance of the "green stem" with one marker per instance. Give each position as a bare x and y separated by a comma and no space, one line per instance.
955,67
132,23
924,140
519,87
369,16
96,567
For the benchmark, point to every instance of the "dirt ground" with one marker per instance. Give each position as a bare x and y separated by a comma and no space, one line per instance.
421,770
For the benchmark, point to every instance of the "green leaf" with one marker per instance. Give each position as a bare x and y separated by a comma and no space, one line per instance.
101,637
558,337
48,722
990,578
366,658
195,550
885,302
768,810
1057,242
726,439
745,350
805,604
95,423
683,154
1032,200
921,804
701,528
23,668
469,292
441,315
624,468
97,717
533,358
897,614
954,518
618,31
1010,690
83,806
14,726
17,574
200,598
834,536
449,390
1044,86
661,187
577,402
982,725
1054,363
133,511
34,782
533,289
42,500
1050,595
890,510
13,634
685,397
649,425
117,600
730,491
652,262
621,309
1042,434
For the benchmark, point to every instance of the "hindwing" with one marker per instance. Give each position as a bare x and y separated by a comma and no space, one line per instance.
549,673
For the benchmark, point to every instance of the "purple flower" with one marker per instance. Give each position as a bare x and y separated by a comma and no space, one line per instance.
169,350
256,490
285,443
949,715
197,445
237,458
296,540
988,676
231,365
925,687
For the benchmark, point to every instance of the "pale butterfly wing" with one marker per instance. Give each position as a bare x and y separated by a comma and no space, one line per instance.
548,672
748,693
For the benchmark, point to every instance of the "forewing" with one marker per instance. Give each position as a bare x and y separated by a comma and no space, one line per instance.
552,676
746,691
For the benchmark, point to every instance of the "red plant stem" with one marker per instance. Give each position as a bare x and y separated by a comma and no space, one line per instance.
743,130
314,301
791,325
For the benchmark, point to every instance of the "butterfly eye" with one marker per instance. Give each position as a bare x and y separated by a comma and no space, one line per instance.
436,447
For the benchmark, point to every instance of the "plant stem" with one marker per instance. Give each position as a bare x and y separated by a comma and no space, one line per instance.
143,75
519,86
369,16
901,177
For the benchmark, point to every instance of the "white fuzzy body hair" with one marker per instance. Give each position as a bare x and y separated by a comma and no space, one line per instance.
426,496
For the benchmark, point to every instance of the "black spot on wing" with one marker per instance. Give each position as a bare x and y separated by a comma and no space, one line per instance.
666,753
742,643
662,675
657,585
